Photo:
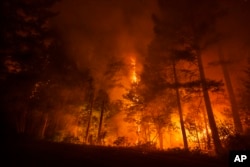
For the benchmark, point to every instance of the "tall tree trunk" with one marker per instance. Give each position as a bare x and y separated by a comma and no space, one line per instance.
208,145
90,118
211,120
160,138
44,125
100,123
197,136
234,107
184,136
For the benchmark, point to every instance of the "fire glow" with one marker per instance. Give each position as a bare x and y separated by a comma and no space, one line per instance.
147,73
134,78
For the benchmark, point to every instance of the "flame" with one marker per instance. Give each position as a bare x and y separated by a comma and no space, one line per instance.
171,136
134,78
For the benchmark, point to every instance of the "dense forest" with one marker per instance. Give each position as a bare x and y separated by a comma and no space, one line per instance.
147,74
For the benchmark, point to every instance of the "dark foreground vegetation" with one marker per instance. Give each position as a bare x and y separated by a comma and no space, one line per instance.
39,153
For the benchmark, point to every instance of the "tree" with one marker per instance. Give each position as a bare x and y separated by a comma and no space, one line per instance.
160,111
26,33
62,94
97,96
27,40
134,107
244,98
190,30
234,106
90,103
101,104
149,107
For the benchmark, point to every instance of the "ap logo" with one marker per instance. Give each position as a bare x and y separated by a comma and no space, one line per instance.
239,159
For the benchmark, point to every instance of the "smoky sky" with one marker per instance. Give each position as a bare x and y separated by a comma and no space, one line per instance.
98,31
234,42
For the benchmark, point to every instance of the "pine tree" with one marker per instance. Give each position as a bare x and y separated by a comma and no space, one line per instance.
183,26
27,41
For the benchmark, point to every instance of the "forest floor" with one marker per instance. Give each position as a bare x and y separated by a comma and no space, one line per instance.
46,154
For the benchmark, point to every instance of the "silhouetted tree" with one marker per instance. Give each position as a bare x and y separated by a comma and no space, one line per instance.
90,104
26,47
183,26
244,99
102,103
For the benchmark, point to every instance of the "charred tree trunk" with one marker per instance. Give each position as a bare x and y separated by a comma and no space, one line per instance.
91,95
100,123
211,120
184,136
89,118
234,107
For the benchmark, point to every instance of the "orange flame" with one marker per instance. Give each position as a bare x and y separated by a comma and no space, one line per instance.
134,75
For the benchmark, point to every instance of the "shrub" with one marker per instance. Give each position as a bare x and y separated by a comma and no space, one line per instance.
147,146
121,141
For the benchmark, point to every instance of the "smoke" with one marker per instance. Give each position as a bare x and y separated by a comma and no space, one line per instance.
234,42
98,32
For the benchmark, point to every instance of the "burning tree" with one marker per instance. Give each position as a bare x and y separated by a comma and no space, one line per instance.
98,99
147,110
134,108
180,39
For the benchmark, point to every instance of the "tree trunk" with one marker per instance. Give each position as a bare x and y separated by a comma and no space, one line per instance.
211,120
197,135
89,119
44,125
184,136
100,123
160,138
234,107
208,141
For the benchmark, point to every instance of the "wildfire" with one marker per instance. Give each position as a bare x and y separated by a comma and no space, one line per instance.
142,131
134,75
